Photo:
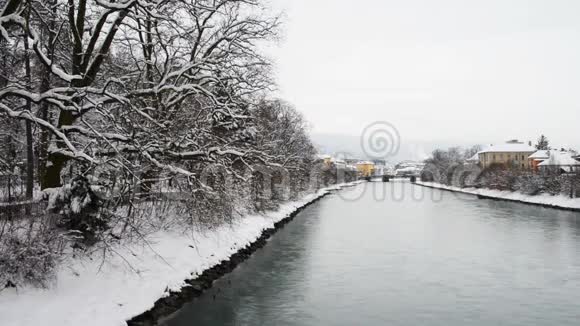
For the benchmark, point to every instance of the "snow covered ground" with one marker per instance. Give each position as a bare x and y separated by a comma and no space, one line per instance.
542,199
87,293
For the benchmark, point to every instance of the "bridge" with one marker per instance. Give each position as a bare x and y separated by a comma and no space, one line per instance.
389,177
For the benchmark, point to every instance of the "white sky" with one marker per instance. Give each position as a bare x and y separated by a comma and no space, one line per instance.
451,70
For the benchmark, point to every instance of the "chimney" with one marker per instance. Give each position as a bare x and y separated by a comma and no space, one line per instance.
530,142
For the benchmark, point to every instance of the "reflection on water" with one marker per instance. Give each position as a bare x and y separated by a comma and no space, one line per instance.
380,254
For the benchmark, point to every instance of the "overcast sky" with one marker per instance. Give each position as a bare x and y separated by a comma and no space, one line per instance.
447,70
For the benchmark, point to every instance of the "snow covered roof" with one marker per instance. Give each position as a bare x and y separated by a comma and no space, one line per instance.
508,147
560,159
409,169
541,154
365,162
474,158
405,164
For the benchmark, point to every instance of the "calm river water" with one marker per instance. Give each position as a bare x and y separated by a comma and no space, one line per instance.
402,254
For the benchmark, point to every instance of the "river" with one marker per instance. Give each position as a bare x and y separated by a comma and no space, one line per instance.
401,254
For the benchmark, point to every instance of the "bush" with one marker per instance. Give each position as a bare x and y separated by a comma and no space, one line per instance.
78,207
29,257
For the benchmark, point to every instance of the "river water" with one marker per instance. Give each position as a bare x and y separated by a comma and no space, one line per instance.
402,254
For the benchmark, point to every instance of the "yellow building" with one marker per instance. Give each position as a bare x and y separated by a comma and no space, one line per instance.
365,169
511,154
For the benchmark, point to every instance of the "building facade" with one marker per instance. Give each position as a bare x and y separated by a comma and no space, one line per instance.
512,154
365,168
538,157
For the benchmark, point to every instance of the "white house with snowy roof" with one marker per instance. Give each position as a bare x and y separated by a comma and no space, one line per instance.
538,157
560,161
511,153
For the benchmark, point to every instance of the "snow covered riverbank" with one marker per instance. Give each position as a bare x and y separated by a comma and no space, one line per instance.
542,199
128,284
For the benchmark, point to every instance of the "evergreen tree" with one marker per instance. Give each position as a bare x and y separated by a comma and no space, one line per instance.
543,143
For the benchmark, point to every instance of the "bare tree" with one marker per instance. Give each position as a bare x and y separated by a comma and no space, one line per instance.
198,63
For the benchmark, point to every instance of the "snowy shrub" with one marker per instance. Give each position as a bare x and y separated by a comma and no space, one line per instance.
552,184
461,175
497,176
210,209
529,184
575,186
78,207
29,254
569,184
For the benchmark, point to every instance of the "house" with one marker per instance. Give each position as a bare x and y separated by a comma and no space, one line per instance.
379,169
382,169
538,157
351,161
365,168
409,168
351,168
408,171
510,154
560,162
325,159
338,163
330,162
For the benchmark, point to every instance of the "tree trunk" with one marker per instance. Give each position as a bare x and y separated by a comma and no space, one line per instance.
44,108
29,140
29,161
56,162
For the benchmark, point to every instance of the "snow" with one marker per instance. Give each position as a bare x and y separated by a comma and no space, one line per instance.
87,293
474,158
560,159
509,147
542,199
541,154
409,169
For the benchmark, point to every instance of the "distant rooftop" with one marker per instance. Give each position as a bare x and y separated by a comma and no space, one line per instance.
560,158
510,146
541,154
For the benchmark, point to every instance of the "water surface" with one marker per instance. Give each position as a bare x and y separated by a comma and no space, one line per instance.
402,254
